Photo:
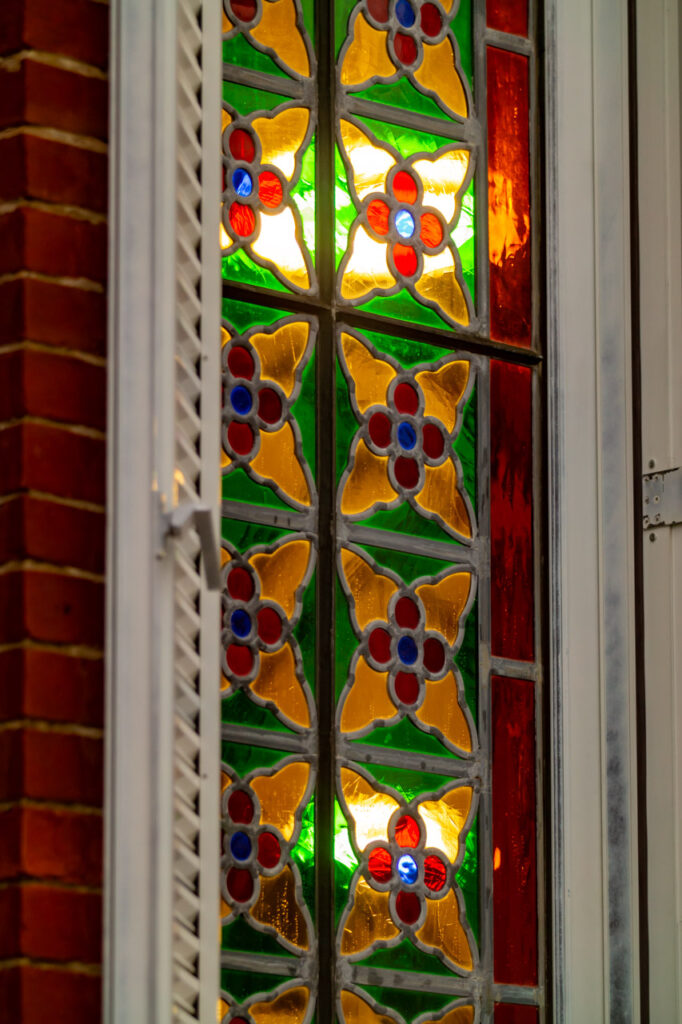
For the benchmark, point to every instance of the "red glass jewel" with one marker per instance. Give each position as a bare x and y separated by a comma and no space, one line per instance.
433,441
242,219
240,584
379,428
380,645
508,16
434,655
239,884
378,213
270,190
407,687
240,807
435,873
269,625
431,232
408,907
240,362
242,146
239,659
380,864
240,438
269,850
431,21
238,1020
406,472
405,398
509,213
515,1013
405,48
378,9
405,259
243,10
515,918
269,405
407,831
404,187
511,511
407,613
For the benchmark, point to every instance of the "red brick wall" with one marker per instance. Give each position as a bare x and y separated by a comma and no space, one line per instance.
53,201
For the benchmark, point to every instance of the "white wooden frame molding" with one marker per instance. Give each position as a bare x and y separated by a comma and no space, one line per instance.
161,853
594,757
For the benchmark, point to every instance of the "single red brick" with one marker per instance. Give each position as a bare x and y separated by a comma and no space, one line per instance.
49,243
41,94
50,532
39,457
55,387
11,841
56,687
12,89
61,845
11,764
74,28
49,171
50,924
44,765
54,314
52,608
70,996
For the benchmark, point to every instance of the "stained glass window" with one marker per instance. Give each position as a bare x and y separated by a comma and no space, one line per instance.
381,374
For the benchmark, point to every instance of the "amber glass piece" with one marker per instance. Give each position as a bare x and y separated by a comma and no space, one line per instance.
510,1013
278,243
288,1007
444,603
281,137
277,462
441,496
442,178
366,267
460,1015
279,30
368,920
443,389
509,217
443,930
225,780
438,284
281,352
367,483
441,709
511,512
438,73
445,818
277,907
371,376
514,841
357,1010
280,795
367,55
369,162
508,16
371,590
368,699
369,808
277,683
282,572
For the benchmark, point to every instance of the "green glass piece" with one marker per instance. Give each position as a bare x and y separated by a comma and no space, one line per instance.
239,937
238,486
409,567
240,53
407,957
467,879
406,736
403,96
241,984
243,315
462,27
304,195
408,141
245,535
244,758
407,783
404,306
240,267
304,412
246,100
239,710
303,854
467,661
306,631
345,861
408,1004
404,519
345,210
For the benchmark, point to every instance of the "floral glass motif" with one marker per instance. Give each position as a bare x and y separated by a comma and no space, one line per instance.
291,1004
360,1008
404,664
262,157
409,38
261,604
407,210
261,823
403,449
274,27
261,379
405,885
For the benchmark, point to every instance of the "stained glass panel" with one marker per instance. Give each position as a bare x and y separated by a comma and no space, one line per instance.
379,507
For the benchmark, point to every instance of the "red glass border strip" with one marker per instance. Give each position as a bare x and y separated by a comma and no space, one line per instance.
515,911
514,1013
508,16
511,512
509,212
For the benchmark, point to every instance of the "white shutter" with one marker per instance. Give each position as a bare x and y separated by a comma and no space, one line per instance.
161,876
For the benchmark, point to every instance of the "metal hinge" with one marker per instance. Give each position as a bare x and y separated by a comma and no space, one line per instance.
662,499
201,517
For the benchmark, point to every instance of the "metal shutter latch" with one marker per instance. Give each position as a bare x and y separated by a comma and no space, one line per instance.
662,499
175,522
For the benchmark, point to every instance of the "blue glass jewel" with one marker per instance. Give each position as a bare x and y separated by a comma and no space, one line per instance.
241,399
243,182
407,436
240,621
407,650
240,846
407,869
404,223
404,12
